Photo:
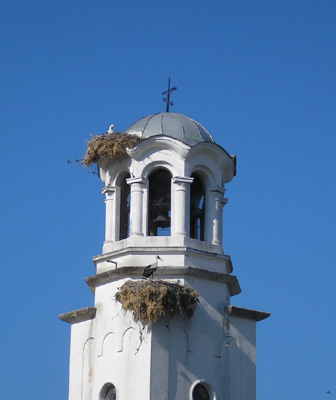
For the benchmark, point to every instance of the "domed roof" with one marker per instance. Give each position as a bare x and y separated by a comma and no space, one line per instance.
174,125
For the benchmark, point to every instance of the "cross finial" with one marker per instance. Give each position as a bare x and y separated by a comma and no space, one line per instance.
167,92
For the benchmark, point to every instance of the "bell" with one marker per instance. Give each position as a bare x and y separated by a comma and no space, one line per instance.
162,221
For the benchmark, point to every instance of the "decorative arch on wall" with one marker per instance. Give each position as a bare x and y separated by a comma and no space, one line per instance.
109,338
178,342
178,355
230,363
127,336
87,367
88,343
204,340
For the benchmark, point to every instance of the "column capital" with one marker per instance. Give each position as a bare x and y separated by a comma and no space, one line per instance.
140,180
108,189
217,189
182,179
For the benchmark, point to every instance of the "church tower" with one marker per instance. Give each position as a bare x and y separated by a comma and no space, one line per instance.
164,184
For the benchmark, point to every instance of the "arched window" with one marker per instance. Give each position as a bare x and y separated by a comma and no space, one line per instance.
200,393
159,204
124,209
108,392
197,208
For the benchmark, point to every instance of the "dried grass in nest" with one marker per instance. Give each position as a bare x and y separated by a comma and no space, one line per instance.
109,146
150,299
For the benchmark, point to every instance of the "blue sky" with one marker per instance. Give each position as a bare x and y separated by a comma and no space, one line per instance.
260,76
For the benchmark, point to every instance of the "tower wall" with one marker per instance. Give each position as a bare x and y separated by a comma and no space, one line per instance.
176,357
165,360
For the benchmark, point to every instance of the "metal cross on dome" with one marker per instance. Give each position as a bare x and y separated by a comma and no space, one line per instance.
168,92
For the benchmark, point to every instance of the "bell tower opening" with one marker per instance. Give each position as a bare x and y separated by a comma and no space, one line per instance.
125,202
197,208
159,204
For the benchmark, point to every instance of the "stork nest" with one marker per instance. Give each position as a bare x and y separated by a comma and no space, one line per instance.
109,146
149,299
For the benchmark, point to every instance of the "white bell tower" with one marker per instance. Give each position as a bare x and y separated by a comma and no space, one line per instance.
164,207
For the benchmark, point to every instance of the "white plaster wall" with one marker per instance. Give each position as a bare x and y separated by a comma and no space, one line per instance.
185,351
239,350
197,348
81,362
165,361
209,347
110,348
124,347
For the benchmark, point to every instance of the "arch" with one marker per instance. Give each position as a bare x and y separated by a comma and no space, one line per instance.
127,335
108,339
178,357
153,166
159,202
87,343
87,367
121,176
230,365
113,172
204,348
205,173
227,341
204,340
197,208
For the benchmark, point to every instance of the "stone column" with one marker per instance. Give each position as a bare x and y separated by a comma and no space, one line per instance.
181,206
110,218
217,203
136,212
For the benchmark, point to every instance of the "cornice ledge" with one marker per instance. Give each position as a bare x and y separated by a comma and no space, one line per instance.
246,313
156,249
213,148
83,314
111,275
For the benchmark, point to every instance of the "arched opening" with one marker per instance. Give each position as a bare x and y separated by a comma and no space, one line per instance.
200,392
108,392
159,203
197,208
125,202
